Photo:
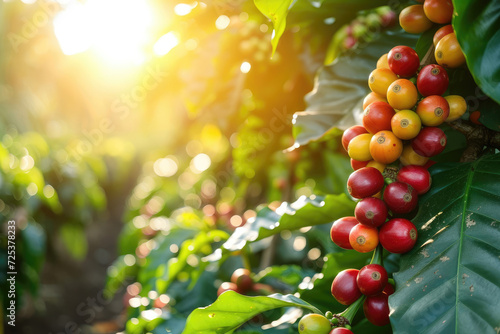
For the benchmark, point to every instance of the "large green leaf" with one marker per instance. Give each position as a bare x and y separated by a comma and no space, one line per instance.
490,114
231,310
306,211
477,25
339,90
276,11
449,282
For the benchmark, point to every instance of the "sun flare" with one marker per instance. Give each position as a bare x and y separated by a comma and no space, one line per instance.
116,30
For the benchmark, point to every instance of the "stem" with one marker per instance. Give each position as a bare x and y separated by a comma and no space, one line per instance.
477,136
377,255
351,311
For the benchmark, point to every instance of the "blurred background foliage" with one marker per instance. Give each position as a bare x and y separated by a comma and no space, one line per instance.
138,134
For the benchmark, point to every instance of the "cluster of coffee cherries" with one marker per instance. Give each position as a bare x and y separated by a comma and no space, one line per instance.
363,27
371,281
243,283
348,287
390,154
251,39
418,18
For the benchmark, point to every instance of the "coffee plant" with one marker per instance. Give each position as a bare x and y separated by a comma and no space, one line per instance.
413,219
327,167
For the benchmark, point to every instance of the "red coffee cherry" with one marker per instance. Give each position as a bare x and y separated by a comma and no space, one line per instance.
372,279
398,235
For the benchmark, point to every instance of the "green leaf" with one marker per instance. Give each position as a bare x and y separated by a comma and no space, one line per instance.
365,326
289,274
73,237
189,248
490,114
155,267
231,310
289,216
204,292
477,26
449,282
173,324
339,90
276,11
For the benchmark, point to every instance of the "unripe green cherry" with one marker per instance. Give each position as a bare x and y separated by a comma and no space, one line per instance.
314,324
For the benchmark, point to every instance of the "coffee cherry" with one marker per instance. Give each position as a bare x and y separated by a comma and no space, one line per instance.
383,62
372,97
429,164
433,110
314,323
400,197
416,176
410,157
406,124
376,309
378,165
402,94
365,182
398,235
385,147
474,117
380,79
441,32
241,277
372,279
448,52
341,330
344,287
355,164
350,133
228,286
359,147
413,20
377,117
363,238
432,80
438,11
403,61
458,107
429,142
371,211
389,289
340,230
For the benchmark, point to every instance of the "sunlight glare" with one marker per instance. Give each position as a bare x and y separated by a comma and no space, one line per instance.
245,67
117,30
222,22
70,29
165,43
183,9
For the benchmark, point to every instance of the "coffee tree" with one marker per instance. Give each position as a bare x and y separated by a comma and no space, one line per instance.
406,230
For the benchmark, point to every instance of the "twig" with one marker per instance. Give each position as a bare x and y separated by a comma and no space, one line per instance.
478,136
